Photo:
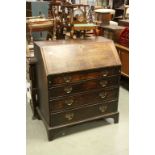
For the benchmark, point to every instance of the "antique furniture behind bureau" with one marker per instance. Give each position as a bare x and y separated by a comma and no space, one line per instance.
38,8
110,31
122,46
124,57
39,24
124,22
103,16
78,19
78,81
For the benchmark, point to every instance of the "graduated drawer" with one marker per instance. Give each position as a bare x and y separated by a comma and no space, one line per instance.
79,76
83,86
83,113
93,97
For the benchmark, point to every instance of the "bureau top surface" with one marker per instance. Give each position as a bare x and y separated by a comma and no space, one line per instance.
70,56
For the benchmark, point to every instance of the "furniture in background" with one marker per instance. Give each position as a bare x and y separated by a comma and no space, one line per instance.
31,71
120,35
124,57
126,12
31,79
84,28
77,84
124,37
78,19
110,31
39,24
102,3
118,3
103,16
120,6
38,8
122,45
66,17
124,22
119,13
28,9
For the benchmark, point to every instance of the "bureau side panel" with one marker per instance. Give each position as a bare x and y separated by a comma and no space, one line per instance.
42,84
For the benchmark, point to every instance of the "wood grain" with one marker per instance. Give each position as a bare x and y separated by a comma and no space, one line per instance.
77,81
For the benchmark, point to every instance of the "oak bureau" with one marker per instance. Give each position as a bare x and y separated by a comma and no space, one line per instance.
78,81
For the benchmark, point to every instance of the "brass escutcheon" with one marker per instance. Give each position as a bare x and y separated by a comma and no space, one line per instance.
68,89
69,101
102,94
67,79
103,83
69,116
104,73
103,108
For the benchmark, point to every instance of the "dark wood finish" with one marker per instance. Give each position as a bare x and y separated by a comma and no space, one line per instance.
31,71
42,85
28,9
53,131
78,81
74,101
118,3
83,113
80,76
82,86
73,58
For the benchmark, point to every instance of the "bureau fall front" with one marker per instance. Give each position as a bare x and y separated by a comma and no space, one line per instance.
77,82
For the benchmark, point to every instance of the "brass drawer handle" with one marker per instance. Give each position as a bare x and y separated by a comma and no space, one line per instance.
69,102
103,83
67,79
102,108
68,89
103,94
104,73
69,116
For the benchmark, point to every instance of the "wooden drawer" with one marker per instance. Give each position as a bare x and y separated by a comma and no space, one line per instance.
93,97
79,76
83,86
83,113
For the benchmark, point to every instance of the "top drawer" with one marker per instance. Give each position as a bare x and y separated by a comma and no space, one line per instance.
79,76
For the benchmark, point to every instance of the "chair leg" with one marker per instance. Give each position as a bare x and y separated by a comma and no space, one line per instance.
72,33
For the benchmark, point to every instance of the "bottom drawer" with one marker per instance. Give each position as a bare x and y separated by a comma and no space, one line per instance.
83,113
